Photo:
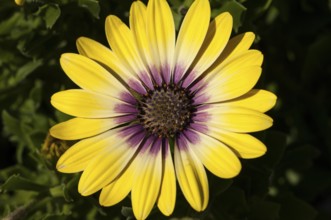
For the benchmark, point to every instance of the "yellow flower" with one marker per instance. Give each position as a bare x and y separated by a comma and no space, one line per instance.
153,108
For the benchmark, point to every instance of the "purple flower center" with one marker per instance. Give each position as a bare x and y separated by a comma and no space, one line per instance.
166,110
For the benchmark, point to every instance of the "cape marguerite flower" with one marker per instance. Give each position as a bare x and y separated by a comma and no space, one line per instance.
153,108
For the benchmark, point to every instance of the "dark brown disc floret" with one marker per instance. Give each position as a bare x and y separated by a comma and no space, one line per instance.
166,110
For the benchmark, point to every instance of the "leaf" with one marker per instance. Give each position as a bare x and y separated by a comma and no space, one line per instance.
127,212
257,8
16,182
25,70
317,55
232,203
300,157
256,174
9,171
276,145
263,209
56,216
218,185
91,5
70,190
17,213
294,208
36,91
50,13
7,25
11,125
6,56
237,11
314,183
19,132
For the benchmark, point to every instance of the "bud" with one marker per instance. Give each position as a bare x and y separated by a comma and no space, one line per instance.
19,2
53,148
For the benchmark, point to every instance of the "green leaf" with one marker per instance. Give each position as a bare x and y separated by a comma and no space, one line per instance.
237,11
314,183
57,191
233,203
256,174
25,70
91,5
56,216
50,13
218,185
19,132
301,158
9,171
276,145
294,208
18,213
127,212
257,7
263,210
70,189
16,182
9,24
11,125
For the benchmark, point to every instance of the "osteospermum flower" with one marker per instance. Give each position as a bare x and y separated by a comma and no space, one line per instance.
153,108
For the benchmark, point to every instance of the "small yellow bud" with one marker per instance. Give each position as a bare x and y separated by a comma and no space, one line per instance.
19,2
53,148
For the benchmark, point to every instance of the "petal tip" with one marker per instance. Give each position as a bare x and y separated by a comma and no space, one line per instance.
166,210
66,56
273,100
81,38
235,172
52,132
227,15
102,201
60,167
83,190
250,35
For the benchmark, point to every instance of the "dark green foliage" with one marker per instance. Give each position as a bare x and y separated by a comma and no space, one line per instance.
292,181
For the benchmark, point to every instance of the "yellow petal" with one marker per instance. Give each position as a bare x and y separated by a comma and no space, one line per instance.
161,36
191,36
121,40
107,166
231,84
244,59
138,24
118,189
192,178
237,119
256,99
146,186
77,157
215,41
104,55
217,157
89,75
79,128
236,45
245,145
167,197
85,104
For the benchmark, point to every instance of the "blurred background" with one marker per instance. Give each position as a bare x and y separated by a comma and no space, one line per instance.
292,181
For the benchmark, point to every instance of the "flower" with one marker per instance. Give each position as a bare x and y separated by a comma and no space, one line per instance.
153,108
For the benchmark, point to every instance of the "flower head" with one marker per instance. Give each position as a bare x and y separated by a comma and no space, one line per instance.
153,108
